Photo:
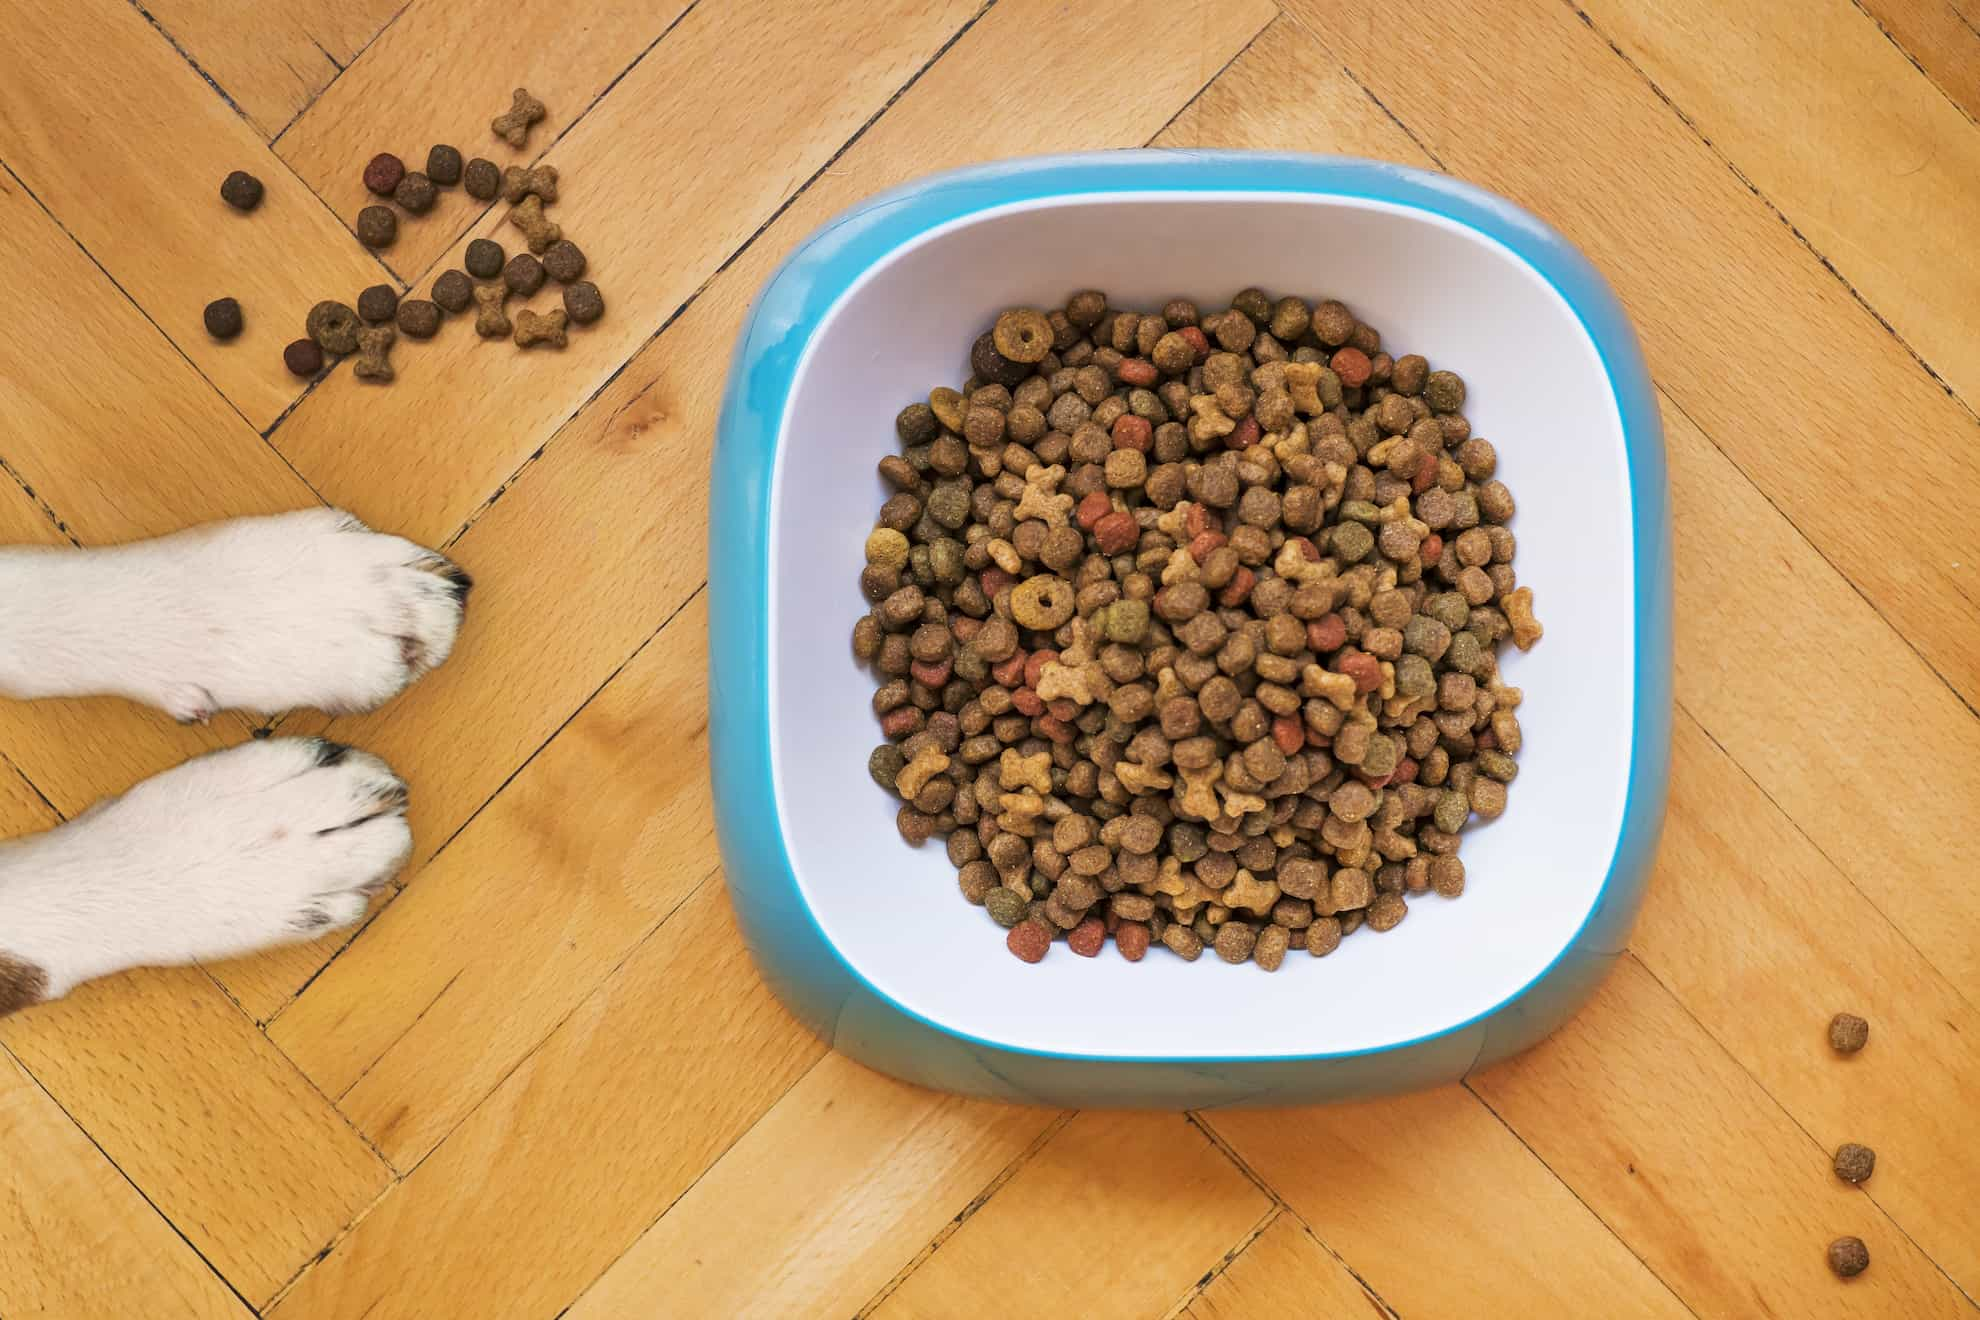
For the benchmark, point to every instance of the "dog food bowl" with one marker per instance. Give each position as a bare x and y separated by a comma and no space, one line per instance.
868,940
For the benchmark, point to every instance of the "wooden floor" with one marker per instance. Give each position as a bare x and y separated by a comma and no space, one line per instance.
543,1077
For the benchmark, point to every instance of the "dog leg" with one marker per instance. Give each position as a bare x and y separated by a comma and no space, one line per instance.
265,843
262,614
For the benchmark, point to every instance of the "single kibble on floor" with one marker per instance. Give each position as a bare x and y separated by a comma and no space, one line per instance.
564,260
418,318
1848,1257
377,227
415,193
523,274
583,303
382,174
378,304
545,328
241,190
303,358
538,229
1191,624
520,181
374,343
1848,1033
334,327
512,125
223,318
443,165
453,291
490,321
482,178
484,258
1855,1163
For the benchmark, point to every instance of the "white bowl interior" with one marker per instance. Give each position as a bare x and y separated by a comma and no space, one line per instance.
1537,389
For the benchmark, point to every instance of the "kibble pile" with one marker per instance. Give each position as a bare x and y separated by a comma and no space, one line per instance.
370,331
1186,626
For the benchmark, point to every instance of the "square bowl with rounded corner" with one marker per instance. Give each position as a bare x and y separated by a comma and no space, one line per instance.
868,940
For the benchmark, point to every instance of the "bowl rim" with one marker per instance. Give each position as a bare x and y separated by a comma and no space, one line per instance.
807,970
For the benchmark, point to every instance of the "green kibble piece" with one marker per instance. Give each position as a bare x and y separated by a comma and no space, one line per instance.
885,765
948,503
1450,609
1443,391
1006,906
1126,621
1466,654
1453,810
1498,765
1352,542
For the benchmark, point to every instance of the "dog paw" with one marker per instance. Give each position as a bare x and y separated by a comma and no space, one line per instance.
266,843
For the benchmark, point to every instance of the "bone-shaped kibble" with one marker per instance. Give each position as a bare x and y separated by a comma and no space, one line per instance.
1182,567
1250,893
1288,445
1041,500
373,343
1518,606
490,321
1138,779
1302,382
1293,565
512,126
1058,680
1020,813
538,229
519,182
1199,798
914,776
540,328
1168,881
1240,804
1209,423
1015,771
1328,685
1174,524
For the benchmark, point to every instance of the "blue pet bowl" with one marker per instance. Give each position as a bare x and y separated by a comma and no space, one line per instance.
868,941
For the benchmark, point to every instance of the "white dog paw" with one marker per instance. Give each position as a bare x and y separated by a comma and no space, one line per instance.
266,843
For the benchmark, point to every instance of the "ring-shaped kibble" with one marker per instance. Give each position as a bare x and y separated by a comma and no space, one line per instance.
947,405
1023,334
334,326
1042,602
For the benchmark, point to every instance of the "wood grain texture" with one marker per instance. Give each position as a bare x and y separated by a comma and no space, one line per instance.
1083,1230
271,60
76,1239
123,141
1877,151
438,75
1943,38
691,124
1285,1272
820,1205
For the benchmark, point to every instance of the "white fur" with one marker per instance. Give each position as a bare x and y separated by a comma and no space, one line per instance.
261,614
260,844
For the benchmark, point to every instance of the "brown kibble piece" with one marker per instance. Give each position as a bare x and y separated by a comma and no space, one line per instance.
382,174
490,321
565,261
241,190
512,125
1855,1163
453,291
523,275
443,165
1848,1033
378,304
1023,335
303,358
222,318
418,319
374,343
1848,1257
538,230
583,303
334,327
519,182
415,193
377,227
533,328
484,258
482,179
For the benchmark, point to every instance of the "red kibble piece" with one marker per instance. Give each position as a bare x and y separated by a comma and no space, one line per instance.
1026,702
1092,509
1138,372
1352,366
900,721
1051,726
1131,432
1065,708
1363,668
1116,533
1374,781
1029,940
930,674
1432,550
1034,666
1009,673
1203,543
1307,550
1486,741
1327,633
1245,436
383,173
1197,340
1132,940
963,626
1405,771
1086,938
1288,734
1426,474
995,581
1238,589
1200,520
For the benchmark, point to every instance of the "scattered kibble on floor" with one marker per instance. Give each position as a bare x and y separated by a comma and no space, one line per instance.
519,182
334,327
418,319
484,258
537,229
523,274
1855,1163
490,321
513,124
415,193
378,304
374,345
223,318
583,303
565,261
1848,1033
382,174
453,291
303,358
443,165
377,227
545,328
241,190
1848,1257
482,179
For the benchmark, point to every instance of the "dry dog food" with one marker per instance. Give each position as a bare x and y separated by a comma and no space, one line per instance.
1854,1163
519,182
583,303
482,179
1187,628
382,174
533,328
537,228
223,318
418,319
484,258
565,261
523,274
453,291
374,343
377,227
490,321
378,304
1848,1033
334,327
241,190
1848,1257
512,125
303,358
443,165
415,193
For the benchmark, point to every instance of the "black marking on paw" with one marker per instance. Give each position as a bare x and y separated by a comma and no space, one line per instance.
458,582
311,919
331,753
